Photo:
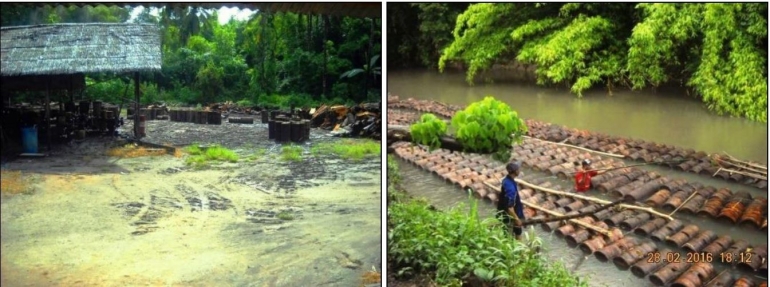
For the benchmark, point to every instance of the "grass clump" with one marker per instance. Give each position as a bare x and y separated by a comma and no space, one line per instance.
291,153
285,215
200,158
349,149
454,245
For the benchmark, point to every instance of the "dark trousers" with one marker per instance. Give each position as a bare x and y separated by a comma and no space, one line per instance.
503,216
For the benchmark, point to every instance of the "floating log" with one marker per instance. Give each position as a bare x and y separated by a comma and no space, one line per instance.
670,228
669,272
699,241
646,190
679,238
643,267
722,280
634,221
658,198
714,204
633,255
744,282
591,245
581,235
615,249
617,218
735,206
738,246
697,275
753,213
650,226
718,245
758,256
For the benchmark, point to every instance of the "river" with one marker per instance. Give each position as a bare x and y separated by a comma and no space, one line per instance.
667,116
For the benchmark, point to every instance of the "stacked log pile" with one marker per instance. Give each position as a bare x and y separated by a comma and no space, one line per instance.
362,120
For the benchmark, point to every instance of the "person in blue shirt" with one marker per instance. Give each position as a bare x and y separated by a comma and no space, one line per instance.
509,206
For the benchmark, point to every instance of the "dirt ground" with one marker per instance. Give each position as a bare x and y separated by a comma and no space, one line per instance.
85,219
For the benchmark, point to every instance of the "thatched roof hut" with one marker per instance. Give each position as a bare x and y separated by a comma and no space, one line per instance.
79,48
357,9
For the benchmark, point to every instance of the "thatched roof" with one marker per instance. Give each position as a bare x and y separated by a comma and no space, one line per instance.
360,10
79,48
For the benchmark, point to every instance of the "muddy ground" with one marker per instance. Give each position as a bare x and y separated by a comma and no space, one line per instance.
87,219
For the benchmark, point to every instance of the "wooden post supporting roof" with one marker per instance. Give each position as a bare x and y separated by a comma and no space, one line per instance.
136,105
48,115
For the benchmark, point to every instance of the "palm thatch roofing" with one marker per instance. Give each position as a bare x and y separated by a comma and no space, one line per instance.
79,48
360,10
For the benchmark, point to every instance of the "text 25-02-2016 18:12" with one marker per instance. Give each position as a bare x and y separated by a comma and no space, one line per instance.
695,257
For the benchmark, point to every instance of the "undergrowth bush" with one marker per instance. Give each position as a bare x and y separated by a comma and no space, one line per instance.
453,245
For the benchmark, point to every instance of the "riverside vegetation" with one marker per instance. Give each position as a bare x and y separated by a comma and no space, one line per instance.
454,247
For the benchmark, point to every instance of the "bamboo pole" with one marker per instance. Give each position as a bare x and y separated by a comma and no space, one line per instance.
566,217
722,162
588,198
581,148
603,231
680,206
757,176
745,162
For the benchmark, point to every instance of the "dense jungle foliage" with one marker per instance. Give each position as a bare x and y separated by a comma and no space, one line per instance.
718,51
271,59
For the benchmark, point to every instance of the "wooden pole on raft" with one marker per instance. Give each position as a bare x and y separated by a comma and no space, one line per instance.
580,148
574,221
566,217
680,206
586,198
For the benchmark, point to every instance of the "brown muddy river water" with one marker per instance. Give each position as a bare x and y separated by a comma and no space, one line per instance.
92,220
668,117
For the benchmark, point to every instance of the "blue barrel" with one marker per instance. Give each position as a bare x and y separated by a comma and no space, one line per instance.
29,139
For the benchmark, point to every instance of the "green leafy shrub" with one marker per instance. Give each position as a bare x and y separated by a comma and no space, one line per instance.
487,126
428,131
455,244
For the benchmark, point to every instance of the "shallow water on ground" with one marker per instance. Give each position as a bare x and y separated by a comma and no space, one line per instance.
89,220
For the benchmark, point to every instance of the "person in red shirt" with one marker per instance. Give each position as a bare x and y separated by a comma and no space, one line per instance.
583,176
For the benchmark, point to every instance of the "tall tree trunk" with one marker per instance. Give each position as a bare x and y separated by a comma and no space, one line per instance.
309,27
326,53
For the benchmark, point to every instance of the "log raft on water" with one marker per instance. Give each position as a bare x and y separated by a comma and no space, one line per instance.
684,159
